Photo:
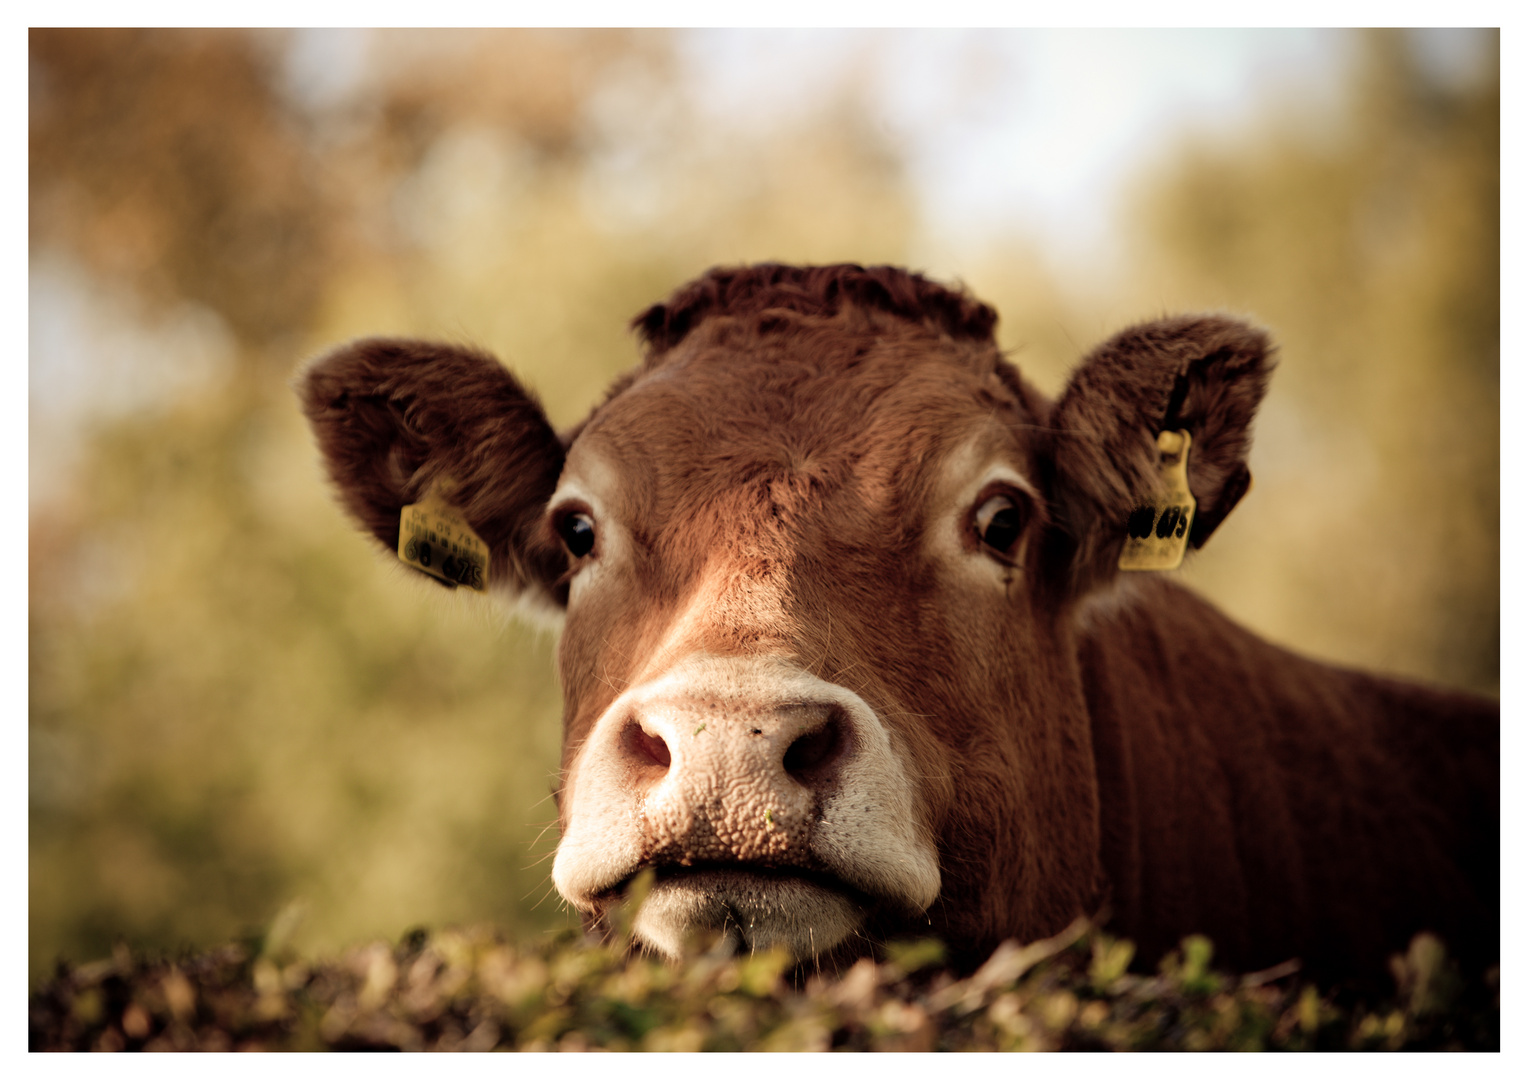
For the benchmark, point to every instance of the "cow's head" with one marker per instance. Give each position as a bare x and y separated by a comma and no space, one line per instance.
820,559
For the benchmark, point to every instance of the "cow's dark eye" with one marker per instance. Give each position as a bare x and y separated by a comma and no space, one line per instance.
577,532
999,522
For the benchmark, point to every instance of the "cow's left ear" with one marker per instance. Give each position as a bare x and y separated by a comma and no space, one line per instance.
1202,374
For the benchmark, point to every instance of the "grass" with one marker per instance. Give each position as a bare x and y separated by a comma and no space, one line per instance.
470,989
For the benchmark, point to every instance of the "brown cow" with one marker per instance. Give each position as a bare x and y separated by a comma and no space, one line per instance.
847,654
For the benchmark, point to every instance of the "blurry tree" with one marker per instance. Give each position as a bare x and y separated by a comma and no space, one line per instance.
168,160
1368,242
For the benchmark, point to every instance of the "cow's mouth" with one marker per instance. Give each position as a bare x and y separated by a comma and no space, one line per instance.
805,912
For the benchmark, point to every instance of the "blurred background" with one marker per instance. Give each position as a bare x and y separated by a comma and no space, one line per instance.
238,708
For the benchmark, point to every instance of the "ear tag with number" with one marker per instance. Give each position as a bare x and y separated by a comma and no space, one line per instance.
1157,532
435,538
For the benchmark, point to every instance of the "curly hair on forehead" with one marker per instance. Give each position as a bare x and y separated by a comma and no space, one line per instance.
813,290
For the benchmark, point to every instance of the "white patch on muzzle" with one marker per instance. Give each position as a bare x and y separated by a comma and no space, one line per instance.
783,857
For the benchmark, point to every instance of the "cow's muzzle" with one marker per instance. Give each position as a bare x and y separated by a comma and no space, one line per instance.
772,802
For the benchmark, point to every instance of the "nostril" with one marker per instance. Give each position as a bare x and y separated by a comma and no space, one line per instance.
644,748
814,753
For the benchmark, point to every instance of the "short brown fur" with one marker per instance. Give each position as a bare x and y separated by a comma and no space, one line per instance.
1081,743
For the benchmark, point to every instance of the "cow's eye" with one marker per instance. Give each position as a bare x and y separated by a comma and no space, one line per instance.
999,521
577,532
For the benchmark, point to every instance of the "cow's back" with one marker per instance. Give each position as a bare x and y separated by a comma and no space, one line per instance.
1284,807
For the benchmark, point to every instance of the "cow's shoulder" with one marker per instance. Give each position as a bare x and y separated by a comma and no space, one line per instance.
1276,801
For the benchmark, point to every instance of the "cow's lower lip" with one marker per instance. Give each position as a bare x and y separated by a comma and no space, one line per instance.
803,912
710,871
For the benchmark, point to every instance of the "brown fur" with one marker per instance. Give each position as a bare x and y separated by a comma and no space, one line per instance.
786,431
1284,807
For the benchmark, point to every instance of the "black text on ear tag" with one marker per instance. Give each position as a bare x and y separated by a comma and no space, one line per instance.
1156,534
435,538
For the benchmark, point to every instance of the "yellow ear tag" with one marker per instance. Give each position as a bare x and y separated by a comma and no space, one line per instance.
434,537
1157,532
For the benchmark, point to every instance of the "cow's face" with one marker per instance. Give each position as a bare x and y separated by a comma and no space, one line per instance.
818,577
797,590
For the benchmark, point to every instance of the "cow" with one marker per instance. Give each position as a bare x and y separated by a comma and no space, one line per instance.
847,653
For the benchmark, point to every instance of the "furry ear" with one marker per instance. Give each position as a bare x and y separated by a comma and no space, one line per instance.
1202,374
392,416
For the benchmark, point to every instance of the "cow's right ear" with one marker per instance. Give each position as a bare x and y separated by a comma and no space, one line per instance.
1202,374
393,417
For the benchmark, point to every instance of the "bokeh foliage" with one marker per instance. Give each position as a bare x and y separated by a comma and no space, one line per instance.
236,704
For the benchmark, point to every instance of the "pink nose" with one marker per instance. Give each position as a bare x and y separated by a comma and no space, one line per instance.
778,789
736,782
